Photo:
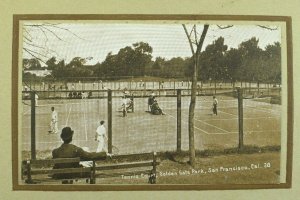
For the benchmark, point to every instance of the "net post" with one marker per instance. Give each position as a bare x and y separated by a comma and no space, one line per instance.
178,120
109,123
33,147
240,112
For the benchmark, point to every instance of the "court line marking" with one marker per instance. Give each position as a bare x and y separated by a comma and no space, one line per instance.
68,115
223,111
187,123
266,110
227,113
249,118
210,125
227,132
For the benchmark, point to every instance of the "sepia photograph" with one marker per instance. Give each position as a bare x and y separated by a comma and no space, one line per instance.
143,103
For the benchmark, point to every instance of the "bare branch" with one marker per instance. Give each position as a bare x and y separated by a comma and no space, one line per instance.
50,24
36,52
26,38
54,26
225,27
37,46
69,32
195,30
44,34
189,38
27,50
25,30
265,27
205,29
53,33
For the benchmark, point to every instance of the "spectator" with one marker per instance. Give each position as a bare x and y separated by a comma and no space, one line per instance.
67,150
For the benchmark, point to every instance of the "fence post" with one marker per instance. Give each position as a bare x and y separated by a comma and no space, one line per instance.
174,86
240,111
33,148
109,123
93,173
178,120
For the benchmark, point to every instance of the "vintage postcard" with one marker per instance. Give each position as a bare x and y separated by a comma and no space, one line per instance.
152,102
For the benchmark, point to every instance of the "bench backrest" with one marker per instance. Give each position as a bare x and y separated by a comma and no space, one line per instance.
45,167
148,163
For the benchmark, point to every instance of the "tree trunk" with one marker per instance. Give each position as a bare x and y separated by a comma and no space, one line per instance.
191,117
194,88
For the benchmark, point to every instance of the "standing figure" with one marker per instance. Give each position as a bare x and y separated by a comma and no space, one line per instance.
101,137
215,104
124,105
36,97
54,120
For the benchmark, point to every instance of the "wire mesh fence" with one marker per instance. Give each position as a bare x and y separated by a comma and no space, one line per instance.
139,130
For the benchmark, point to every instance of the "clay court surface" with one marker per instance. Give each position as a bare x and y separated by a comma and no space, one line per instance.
141,131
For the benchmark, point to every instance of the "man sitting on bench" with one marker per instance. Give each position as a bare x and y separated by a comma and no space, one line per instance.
67,150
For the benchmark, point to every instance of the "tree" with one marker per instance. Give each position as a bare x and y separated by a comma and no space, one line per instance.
252,62
51,63
233,62
31,64
194,42
142,57
129,61
212,61
272,56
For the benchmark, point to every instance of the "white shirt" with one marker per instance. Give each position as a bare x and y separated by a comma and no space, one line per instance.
54,116
215,102
101,131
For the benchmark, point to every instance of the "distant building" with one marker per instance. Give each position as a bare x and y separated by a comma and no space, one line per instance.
40,73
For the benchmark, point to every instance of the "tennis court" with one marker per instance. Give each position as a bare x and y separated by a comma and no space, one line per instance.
141,131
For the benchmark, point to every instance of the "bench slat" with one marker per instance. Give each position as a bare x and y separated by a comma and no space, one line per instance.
60,171
125,165
46,180
132,155
54,161
119,174
43,167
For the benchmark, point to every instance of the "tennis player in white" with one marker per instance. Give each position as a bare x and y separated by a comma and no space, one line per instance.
101,137
54,120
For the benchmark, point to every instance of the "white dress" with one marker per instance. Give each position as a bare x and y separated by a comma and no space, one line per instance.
101,136
53,123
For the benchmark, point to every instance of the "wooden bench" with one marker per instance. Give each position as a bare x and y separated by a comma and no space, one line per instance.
41,171
147,167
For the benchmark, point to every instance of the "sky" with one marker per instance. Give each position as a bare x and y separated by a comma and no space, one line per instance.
95,40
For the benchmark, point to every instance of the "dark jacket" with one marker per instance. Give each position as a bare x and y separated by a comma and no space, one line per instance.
72,151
